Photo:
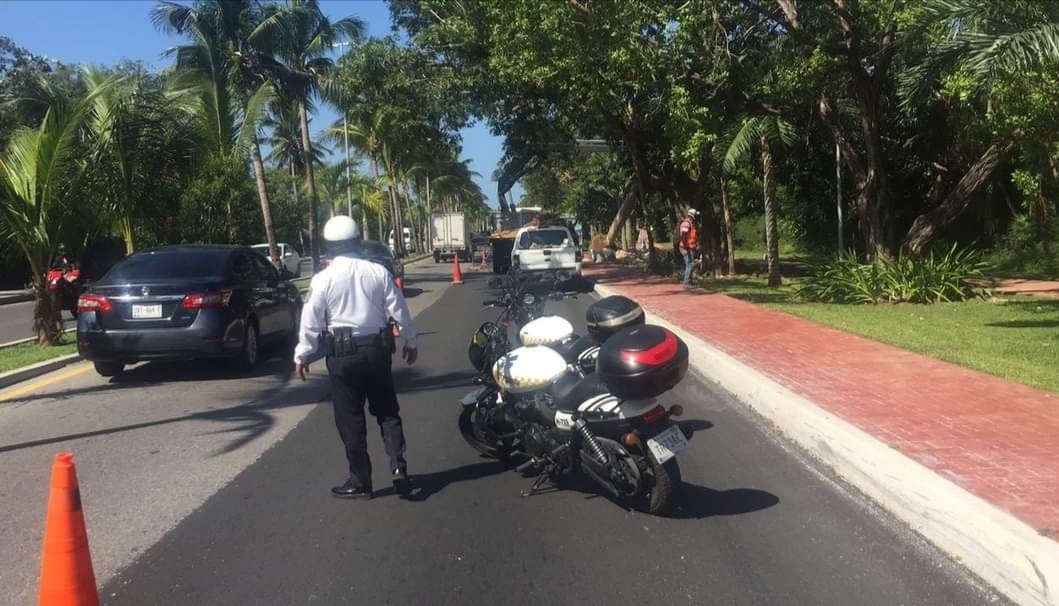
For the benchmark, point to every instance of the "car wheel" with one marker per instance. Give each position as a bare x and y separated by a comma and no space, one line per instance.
247,358
110,369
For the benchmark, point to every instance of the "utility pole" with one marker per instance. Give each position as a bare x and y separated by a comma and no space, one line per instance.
838,194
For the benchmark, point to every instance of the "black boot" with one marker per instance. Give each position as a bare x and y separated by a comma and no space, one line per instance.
351,490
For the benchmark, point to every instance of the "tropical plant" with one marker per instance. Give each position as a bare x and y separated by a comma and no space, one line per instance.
39,175
299,37
930,279
763,133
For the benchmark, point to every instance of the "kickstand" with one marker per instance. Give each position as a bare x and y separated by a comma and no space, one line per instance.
538,484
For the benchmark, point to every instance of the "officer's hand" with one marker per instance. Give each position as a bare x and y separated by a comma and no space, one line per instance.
410,355
302,370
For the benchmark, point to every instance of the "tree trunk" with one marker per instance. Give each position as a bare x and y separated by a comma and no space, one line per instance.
126,231
266,207
622,216
772,232
927,224
729,230
47,318
310,182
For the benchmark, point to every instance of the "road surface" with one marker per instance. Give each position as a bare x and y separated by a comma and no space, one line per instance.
200,488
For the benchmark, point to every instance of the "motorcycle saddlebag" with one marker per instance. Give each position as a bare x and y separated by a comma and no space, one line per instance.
612,314
642,362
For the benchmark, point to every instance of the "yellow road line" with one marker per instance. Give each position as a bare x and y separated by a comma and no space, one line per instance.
49,380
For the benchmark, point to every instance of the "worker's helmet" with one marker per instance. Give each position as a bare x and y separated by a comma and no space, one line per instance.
341,234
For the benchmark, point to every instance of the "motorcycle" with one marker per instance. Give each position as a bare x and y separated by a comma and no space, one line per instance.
533,406
66,285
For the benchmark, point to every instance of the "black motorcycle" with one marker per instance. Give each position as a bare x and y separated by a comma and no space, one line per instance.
532,407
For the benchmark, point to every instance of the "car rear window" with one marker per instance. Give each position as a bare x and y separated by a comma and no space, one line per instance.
542,238
170,265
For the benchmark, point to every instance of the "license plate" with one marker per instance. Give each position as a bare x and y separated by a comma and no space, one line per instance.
667,444
146,311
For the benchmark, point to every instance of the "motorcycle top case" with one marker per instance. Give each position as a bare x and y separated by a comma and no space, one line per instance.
612,314
642,362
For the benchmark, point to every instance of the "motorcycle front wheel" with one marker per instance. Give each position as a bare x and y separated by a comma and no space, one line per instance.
478,440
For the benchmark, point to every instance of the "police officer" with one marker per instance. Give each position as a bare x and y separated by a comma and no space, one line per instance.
347,314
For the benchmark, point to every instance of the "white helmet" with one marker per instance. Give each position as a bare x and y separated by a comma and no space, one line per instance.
341,228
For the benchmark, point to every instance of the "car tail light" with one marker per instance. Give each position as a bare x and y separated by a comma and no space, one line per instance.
654,415
207,300
88,303
659,354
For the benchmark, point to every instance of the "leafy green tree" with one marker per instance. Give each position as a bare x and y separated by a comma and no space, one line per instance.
300,38
39,175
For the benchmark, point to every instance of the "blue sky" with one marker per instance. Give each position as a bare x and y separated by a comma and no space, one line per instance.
107,31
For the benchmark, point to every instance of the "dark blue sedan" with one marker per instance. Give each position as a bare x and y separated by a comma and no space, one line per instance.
186,302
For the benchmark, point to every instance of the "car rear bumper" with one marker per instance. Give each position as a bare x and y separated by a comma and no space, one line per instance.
210,336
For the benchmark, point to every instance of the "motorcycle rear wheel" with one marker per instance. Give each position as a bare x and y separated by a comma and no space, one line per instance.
479,442
661,483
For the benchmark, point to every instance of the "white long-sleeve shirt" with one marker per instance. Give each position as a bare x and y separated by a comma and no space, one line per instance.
352,293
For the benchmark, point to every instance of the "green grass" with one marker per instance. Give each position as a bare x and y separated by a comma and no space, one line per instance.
26,354
1015,338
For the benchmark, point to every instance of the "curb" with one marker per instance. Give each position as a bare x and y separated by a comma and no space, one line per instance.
18,375
1002,550
19,298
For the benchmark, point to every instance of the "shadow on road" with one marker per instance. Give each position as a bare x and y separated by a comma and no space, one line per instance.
251,420
427,485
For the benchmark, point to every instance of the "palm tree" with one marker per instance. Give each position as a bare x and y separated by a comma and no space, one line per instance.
226,67
763,132
39,174
301,36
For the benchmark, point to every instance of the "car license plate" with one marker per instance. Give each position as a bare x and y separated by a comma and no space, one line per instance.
667,444
146,311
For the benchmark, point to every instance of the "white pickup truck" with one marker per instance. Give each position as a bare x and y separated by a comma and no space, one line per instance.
546,249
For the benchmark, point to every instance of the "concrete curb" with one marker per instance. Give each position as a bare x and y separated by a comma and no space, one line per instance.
18,298
998,547
25,373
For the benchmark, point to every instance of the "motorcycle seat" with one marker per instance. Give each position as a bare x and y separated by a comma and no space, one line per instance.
570,390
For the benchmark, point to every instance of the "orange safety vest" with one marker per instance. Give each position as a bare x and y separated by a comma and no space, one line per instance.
689,238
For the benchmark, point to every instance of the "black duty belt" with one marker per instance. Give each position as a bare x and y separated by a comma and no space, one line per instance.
342,342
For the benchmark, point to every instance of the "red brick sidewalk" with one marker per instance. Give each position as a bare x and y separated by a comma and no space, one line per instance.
996,439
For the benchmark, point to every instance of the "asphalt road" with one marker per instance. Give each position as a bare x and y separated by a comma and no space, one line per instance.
210,491
16,321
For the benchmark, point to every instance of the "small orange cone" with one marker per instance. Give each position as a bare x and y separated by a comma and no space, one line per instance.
66,576
457,275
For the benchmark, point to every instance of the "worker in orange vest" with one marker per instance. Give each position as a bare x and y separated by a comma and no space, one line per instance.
688,242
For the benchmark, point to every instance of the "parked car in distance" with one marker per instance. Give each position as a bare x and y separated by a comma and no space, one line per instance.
375,251
289,258
186,302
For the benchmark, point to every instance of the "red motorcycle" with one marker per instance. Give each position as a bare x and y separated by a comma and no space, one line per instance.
66,285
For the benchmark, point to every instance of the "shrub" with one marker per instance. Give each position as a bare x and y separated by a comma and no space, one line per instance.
1030,249
932,279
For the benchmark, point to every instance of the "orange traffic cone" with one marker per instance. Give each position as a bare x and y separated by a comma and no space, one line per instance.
457,275
66,576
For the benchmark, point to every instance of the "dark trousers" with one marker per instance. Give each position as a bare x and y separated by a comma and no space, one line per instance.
366,375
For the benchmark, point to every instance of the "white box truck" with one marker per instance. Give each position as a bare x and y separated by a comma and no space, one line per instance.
450,234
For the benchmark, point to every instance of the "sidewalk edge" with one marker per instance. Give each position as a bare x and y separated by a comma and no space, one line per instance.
25,373
993,544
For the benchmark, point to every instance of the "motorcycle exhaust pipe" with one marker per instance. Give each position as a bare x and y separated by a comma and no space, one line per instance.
588,466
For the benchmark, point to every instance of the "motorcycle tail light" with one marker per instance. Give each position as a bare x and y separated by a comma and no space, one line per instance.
207,300
655,414
88,303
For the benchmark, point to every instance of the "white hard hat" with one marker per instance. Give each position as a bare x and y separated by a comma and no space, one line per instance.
341,228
